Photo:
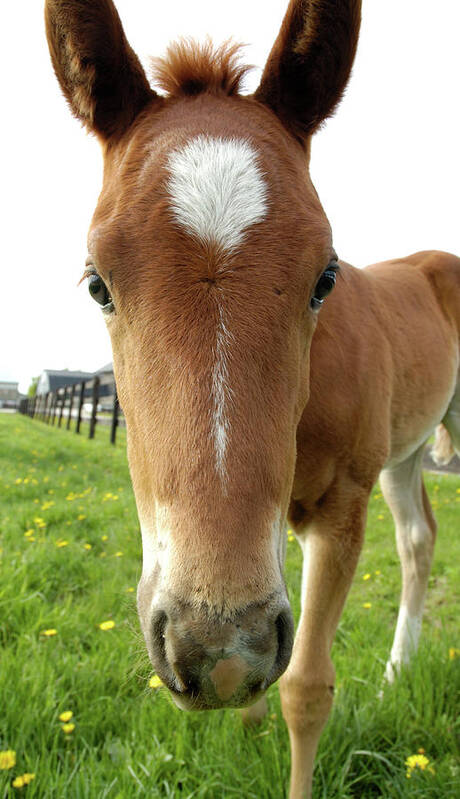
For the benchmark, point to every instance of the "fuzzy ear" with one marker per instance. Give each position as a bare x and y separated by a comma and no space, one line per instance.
310,62
98,71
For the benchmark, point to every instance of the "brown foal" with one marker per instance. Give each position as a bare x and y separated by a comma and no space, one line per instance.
250,399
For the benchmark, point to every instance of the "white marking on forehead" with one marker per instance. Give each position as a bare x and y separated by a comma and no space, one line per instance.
217,189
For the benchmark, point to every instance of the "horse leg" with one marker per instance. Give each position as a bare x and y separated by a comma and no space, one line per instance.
331,549
406,496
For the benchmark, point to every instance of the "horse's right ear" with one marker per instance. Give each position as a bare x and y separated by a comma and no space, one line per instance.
99,73
310,62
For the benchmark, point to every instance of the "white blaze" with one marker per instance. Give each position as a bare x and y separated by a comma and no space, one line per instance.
217,191
221,393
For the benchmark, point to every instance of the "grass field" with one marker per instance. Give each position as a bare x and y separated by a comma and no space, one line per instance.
70,559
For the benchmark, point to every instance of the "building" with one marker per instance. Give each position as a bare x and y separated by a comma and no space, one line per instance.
52,379
9,394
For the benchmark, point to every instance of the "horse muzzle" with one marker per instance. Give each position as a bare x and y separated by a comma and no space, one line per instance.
210,662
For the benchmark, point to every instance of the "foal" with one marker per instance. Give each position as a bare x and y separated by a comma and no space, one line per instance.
211,258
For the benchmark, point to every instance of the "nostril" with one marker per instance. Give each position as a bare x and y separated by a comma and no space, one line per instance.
159,623
159,656
285,633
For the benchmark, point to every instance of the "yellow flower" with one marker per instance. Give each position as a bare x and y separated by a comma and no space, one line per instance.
18,481
453,653
68,728
66,715
130,590
107,625
367,605
25,779
155,682
377,572
49,633
417,761
380,517
87,546
104,537
81,516
118,554
61,543
366,576
28,533
7,759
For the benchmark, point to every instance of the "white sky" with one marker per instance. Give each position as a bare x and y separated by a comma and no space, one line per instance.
386,167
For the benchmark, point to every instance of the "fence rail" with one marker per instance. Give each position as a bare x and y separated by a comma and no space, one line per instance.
94,401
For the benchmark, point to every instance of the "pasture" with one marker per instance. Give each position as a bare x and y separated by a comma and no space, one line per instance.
70,557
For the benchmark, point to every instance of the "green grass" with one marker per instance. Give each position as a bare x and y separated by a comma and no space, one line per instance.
129,740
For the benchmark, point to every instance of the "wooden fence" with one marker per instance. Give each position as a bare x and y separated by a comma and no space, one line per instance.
94,401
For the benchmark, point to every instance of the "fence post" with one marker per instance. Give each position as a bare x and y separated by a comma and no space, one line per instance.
64,399
72,395
45,407
116,406
80,406
93,421
55,402
49,408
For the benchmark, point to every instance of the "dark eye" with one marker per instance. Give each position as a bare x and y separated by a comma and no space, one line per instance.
324,285
99,292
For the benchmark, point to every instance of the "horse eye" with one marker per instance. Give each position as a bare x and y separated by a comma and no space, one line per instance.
324,285
99,292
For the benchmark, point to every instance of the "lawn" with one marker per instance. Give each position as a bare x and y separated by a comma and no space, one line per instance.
70,558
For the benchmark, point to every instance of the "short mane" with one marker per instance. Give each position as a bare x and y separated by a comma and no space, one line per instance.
190,68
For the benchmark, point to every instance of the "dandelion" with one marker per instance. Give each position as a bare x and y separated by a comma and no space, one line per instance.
118,555
380,517
377,572
7,759
155,682
49,633
87,546
61,542
367,605
65,716
29,532
81,516
453,653
18,481
107,625
417,762
130,589
48,504
104,537
68,728
22,780
366,576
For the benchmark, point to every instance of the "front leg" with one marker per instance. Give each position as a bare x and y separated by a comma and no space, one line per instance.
331,548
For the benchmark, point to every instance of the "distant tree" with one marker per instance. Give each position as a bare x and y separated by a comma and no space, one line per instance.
32,390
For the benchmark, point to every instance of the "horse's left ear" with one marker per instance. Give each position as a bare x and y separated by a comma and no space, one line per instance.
99,73
310,62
